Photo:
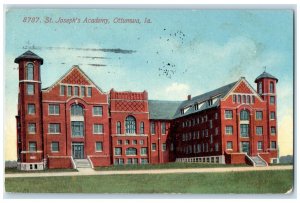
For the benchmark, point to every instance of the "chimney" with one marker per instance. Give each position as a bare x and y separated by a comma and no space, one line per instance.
189,97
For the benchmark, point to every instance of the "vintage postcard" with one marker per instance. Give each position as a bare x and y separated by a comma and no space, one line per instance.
147,101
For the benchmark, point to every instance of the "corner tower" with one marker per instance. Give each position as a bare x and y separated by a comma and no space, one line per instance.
29,118
266,88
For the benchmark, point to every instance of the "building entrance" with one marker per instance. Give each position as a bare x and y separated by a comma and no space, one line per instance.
78,150
245,147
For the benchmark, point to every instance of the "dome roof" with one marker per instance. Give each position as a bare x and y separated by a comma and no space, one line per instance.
266,75
29,55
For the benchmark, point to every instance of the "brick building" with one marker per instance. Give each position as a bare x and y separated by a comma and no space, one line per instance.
75,123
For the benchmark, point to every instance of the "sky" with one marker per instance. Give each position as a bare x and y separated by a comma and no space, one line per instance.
180,52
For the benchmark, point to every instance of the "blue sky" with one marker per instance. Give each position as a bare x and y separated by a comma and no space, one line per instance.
181,52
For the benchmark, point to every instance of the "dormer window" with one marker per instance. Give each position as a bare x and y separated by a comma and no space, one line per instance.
196,106
210,102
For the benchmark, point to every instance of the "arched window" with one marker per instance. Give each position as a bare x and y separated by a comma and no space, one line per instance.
76,110
142,128
248,99
260,88
118,127
130,125
131,151
29,71
244,115
271,87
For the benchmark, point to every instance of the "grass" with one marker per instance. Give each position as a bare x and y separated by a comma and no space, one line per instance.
197,183
15,170
172,165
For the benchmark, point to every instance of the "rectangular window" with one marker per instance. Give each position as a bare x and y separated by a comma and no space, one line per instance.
164,147
54,128
216,147
233,98
141,142
273,145
89,92
31,109
273,130
228,114
244,128
134,161
76,91
129,161
259,130
229,145
53,109
163,128
119,142
55,147
31,128
98,146
62,90
210,124
216,116
82,91
134,142
126,142
153,147
272,100
32,146
97,111
259,145
118,151
144,151
229,130
152,128
216,130
98,129
77,129
144,161
30,89
69,90
272,115
258,115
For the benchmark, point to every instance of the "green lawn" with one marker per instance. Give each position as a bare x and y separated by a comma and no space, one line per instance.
198,183
15,170
172,165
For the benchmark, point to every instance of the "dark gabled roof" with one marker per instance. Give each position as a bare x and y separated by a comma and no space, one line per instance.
266,75
29,55
214,94
162,110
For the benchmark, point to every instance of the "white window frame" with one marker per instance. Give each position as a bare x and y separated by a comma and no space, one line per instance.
96,147
262,130
52,146
258,119
32,105
31,132
101,111
94,129
226,132
226,115
60,90
56,124
54,105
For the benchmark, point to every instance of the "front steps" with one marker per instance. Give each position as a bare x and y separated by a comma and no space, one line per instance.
82,163
258,161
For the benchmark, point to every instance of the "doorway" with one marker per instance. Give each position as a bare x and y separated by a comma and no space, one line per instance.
78,150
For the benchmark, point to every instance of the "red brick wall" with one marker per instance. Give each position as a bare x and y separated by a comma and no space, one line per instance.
235,158
59,162
100,161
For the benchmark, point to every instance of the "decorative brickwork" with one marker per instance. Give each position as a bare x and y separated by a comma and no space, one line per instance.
242,88
75,77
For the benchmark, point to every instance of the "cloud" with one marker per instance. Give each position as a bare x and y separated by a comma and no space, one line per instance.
175,91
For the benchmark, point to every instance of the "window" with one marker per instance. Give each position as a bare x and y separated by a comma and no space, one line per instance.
248,99
196,106
62,90
273,145
259,130
118,127
76,110
97,111
118,151
30,89
131,151
82,91
129,161
172,147
31,109
141,142
76,91
134,142
29,71
229,130
216,130
244,115
272,115
273,130
152,128
216,147
144,151
121,161
216,116
153,146
77,129
98,146
32,146
271,87
89,92
239,98
210,124
259,145
54,128
98,129
142,128
260,88
130,125
211,139
164,147
259,115
126,142
135,161
253,99
228,114
144,161
229,145
31,128
119,142
69,90
244,99
272,100
233,98
163,128
53,109
244,128
55,147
